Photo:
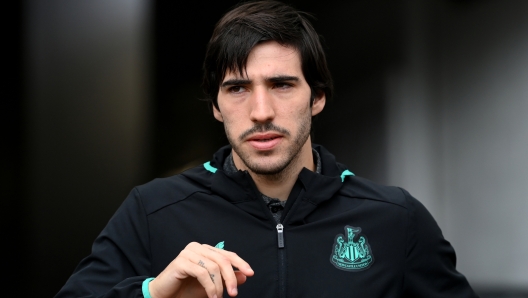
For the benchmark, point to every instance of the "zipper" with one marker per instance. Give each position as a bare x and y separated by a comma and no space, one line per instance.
282,261
280,238
280,235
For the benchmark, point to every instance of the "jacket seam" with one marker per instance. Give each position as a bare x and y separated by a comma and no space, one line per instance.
309,201
148,228
410,224
381,201
175,202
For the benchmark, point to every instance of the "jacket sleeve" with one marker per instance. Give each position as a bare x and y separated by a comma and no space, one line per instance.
120,257
430,267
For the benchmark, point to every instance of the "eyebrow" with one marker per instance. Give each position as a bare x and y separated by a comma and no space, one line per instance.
235,82
279,79
276,79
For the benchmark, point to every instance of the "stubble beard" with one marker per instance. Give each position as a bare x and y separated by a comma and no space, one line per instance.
283,166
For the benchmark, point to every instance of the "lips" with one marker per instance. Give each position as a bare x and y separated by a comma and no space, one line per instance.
266,141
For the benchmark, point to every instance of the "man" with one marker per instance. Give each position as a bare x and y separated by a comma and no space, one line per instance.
272,215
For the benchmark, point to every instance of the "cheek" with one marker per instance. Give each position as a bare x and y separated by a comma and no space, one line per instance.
231,115
297,112
233,122
295,118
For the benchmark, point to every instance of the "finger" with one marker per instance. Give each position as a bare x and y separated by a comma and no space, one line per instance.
235,260
226,260
206,274
240,264
214,273
225,268
212,269
241,277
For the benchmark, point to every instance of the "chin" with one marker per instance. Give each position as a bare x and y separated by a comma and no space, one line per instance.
267,171
267,168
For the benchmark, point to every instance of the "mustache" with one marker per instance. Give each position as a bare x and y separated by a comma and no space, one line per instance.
266,127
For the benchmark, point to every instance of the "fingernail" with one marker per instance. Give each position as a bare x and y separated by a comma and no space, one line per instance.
234,291
214,296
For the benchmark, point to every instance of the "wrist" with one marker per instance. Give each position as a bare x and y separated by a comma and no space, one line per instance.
145,287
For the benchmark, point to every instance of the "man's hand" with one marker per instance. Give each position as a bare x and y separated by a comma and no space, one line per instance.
201,270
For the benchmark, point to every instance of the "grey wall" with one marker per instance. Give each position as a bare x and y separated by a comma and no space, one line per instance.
458,131
88,115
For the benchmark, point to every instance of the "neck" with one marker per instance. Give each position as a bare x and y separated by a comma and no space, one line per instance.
279,185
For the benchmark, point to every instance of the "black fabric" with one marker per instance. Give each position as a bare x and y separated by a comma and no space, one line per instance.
157,220
275,205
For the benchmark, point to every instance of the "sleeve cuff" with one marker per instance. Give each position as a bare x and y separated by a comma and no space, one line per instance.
145,287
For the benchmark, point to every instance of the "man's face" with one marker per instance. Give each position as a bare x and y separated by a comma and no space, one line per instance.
266,113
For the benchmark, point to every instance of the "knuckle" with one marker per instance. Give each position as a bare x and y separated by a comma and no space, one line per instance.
224,261
192,244
181,257
202,273
185,254
214,267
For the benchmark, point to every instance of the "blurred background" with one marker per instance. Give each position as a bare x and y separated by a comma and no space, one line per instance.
101,96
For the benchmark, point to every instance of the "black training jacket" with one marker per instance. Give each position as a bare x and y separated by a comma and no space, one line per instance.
342,236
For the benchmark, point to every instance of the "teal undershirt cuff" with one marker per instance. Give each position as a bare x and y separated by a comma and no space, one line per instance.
145,289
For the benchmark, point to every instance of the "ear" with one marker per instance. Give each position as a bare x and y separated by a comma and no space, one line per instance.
217,114
318,103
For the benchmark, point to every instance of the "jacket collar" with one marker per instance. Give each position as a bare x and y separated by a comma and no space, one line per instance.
239,188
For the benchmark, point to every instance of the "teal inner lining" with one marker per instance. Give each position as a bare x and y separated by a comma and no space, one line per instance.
213,170
209,167
346,173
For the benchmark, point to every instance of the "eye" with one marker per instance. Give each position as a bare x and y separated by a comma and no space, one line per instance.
283,86
236,89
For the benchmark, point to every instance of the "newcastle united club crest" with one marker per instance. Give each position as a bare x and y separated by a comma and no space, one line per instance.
352,253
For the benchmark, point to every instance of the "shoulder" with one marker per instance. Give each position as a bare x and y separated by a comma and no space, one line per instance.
162,192
362,188
420,219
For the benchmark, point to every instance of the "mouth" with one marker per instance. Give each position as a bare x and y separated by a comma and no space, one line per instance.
266,141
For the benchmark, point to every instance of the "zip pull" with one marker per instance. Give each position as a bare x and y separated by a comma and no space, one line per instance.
280,235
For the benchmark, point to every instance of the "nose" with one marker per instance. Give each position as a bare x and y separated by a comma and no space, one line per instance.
262,109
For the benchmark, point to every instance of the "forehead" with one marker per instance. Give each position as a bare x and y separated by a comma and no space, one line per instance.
268,59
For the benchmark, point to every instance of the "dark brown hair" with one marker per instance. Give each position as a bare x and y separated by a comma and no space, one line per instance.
249,23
